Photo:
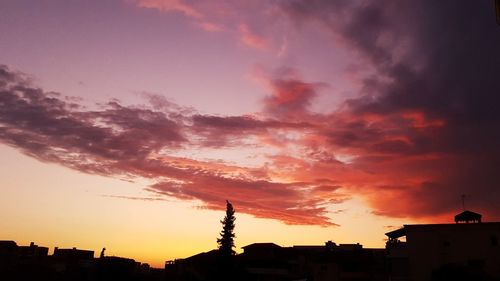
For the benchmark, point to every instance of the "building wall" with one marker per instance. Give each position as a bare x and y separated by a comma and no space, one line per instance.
474,245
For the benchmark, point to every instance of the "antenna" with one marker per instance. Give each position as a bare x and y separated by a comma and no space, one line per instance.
463,202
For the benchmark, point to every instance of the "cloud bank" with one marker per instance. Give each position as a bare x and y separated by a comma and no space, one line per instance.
126,141
422,131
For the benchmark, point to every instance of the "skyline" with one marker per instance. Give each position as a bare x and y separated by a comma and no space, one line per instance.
128,124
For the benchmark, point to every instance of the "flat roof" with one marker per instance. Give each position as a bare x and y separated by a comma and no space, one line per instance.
396,233
261,245
402,231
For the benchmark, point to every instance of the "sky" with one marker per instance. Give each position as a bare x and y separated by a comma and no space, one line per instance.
127,124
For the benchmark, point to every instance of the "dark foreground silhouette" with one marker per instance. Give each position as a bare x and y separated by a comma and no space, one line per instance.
33,263
468,249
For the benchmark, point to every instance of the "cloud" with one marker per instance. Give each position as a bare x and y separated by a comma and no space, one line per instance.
125,141
38,122
170,5
249,22
250,38
427,117
224,131
256,197
136,198
290,96
422,131
210,26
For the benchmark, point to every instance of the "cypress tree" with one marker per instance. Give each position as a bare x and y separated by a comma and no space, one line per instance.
226,240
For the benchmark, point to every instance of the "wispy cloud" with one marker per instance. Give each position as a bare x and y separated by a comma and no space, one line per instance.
241,19
250,38
170,6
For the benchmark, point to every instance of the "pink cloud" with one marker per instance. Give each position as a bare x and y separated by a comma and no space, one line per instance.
210,26
251,39
253,23
170,5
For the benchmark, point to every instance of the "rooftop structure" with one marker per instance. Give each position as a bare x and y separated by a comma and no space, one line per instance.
468,217
438,251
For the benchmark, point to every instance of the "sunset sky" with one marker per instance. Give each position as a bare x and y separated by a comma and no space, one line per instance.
126,124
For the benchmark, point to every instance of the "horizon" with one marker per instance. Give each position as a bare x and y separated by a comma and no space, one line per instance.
127,124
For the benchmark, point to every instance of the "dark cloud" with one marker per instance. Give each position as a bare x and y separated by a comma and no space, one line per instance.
45,125
437,61
224,131
291,98
290,95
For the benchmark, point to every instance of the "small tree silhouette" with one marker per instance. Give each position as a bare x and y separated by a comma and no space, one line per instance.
226,240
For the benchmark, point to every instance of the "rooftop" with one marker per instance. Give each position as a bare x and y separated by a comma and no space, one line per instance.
468,216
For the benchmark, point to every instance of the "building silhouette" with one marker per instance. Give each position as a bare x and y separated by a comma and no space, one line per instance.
33,263
466,250
271,262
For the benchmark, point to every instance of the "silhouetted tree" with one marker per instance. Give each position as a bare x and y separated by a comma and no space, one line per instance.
226,240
